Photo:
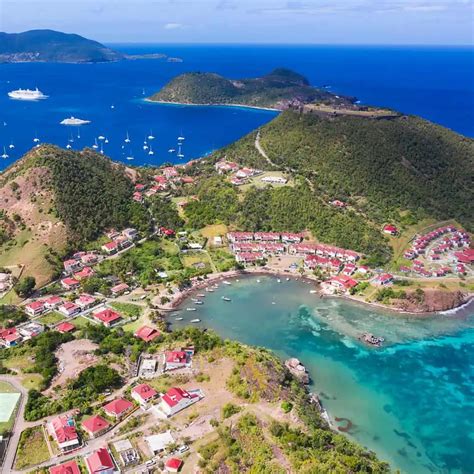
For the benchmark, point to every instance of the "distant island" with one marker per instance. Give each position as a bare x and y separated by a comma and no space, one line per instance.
279,90
55,46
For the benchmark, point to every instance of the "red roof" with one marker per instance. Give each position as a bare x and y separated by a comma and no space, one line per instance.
99,461
65,327
174,395
177,357
35,305
84,273
174,463
64,429
110,245
345,281
118,406
147,334
52,300
144,391
390,228
69,467
107,316
120,287
95,424
70,282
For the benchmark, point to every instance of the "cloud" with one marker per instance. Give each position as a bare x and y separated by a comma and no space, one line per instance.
173,26
226,5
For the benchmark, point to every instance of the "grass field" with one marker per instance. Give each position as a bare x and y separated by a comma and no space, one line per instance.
132,326
169,247
258,183
20,362
32,448
190,259
51,318
211,231
80,322
129,310
32,381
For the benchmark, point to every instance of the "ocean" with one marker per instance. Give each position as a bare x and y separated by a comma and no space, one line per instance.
411,401
434,82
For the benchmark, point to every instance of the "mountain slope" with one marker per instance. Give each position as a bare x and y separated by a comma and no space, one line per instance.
54,199
279,89
53,46
381,167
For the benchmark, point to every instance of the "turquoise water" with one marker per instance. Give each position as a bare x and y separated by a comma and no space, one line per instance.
410,401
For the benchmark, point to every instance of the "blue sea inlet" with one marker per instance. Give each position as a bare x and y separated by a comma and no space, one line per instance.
436,83
411,401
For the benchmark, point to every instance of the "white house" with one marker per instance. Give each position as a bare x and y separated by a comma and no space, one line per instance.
177,399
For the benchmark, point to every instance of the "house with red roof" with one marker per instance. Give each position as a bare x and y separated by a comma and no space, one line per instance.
108,317
119,289
289,237
100,462
95,426
69,309
52,302
70,283
147,333
466,256
240,236
85,301
342,283
69,467
143,394
167,232
249,257
267,236
170,172
35,308
173,360
137,197
118,407
110,247
10,337
384,279
86,272
173,464
89,258
71,265
390,229
65,327
177,399
349,269
461,269
338,203
63,430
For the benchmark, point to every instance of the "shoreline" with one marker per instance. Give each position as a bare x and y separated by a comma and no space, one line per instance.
178,298
240,106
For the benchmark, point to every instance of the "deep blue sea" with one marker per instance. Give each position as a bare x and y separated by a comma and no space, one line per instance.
411,401
436,83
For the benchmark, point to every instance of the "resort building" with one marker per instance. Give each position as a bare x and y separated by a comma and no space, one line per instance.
63,430
108,317
69,467
144,394
100,462
177,399
173,360
118,408
147,333
95,426
35,308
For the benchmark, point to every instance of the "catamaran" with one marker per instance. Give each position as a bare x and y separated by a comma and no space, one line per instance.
26,94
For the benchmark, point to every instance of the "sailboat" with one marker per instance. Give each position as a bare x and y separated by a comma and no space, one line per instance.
180,154
78,134
151,137
106,140
36,139
145,145
181,138
171,150
68,146
95,145
101,148
127,140
11,146
5,155
151,152
101,137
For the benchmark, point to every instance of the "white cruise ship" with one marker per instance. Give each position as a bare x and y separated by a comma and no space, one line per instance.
74,121
27,94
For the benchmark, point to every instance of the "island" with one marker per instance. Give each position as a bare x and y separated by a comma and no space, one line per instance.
59,47
278,90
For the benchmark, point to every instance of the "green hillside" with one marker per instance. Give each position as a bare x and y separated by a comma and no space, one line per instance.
382,168
278,90
53,46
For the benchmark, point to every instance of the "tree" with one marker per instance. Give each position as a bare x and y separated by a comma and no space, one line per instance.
25,287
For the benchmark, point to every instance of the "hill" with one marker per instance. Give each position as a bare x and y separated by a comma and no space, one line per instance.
278,90
54,199
400,169
53,46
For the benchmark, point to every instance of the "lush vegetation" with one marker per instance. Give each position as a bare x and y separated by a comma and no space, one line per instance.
25,286
49,45
165,213
32,448
379,166
91,193
11,316
276,90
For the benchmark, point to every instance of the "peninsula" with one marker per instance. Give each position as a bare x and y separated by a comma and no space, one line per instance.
277,90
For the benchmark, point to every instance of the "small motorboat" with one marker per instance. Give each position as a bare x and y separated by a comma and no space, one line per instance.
178,319
226,298
198,302
312,291
197,320
278,281
190,309
225,282
201,295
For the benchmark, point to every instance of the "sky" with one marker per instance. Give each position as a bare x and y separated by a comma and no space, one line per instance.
447,22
